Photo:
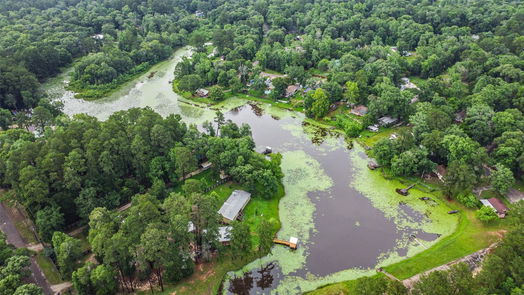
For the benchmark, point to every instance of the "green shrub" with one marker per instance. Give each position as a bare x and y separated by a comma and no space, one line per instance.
486,214
469,200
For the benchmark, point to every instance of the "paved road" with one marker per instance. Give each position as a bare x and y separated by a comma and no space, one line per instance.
14,238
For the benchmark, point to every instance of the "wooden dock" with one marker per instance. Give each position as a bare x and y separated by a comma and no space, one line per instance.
285,243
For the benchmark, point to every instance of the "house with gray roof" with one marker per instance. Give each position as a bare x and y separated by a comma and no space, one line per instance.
234,205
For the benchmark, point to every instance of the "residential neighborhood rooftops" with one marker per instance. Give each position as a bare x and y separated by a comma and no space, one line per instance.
234,205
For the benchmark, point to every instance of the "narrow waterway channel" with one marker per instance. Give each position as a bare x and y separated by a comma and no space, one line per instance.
348,219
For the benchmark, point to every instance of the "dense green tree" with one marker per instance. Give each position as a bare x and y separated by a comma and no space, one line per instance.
352,92
28,289
265,236
502,179
486,214
384,151
6,119
190,83
67,250
320,104
184,161
459,178
216,93
241,242
412,162
48,220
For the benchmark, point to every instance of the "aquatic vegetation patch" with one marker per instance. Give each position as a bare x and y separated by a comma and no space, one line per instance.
302,174
381,193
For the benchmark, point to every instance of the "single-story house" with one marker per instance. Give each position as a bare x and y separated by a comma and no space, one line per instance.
199,13
373,128
234,205
359,110
98,36
202,92
496,205
387,121
291,90
206,165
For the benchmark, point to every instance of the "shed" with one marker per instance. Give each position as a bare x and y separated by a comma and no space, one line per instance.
500,208
386,121
202,92
234,205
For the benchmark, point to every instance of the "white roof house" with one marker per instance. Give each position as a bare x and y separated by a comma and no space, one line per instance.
386,120
234,205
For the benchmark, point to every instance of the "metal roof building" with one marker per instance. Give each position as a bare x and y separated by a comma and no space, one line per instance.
234,205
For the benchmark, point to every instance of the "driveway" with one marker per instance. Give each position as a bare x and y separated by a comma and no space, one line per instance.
14,238
514,195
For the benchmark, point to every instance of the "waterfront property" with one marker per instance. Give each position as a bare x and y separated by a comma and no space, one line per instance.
496,205
232,208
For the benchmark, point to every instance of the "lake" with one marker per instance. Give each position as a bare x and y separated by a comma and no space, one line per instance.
348,220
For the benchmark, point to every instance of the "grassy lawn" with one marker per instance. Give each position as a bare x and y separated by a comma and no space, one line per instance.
48,268
25,231
471,235
369,139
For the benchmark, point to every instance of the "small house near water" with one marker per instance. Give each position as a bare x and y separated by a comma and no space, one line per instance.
234,205
496,205
202,92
